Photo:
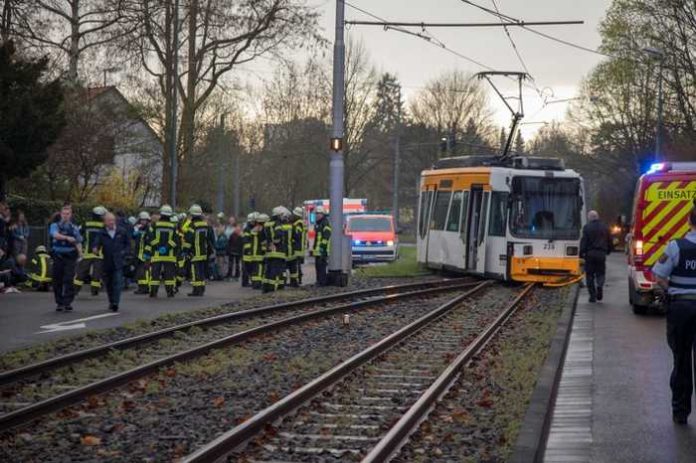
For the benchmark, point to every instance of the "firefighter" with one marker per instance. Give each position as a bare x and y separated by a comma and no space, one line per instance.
199,245
259,249
248,249
274,257
164,243
284,234
142,253
299,237
89,267
181,225
40,274
322,245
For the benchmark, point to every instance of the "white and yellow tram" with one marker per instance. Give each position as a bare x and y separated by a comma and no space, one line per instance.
516,219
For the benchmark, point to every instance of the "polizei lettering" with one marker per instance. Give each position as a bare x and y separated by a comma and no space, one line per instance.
690,264
676,194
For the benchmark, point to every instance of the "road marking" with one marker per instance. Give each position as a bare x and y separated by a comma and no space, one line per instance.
72,324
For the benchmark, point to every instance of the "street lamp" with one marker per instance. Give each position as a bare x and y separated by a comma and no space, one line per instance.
659,55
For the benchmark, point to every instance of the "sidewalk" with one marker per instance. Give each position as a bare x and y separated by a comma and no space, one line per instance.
614,401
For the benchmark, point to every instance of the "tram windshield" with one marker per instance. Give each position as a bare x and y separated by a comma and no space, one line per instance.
546,208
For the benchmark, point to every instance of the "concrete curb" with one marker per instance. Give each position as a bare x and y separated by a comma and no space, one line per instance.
534,430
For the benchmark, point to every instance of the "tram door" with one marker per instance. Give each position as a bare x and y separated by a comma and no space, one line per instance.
476,230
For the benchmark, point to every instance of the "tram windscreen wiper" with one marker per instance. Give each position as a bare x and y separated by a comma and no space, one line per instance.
545,208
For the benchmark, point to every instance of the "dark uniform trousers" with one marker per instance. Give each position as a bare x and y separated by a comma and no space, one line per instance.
142,275
163,271
681,334
320,265
63,273
198,274
89,269
595,270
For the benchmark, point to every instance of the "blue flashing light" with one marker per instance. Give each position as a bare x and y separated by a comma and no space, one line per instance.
358,242
657,167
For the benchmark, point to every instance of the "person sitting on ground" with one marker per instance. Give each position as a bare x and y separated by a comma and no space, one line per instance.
40,270
13,272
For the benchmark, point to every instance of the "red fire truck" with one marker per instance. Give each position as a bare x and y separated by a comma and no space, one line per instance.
350,206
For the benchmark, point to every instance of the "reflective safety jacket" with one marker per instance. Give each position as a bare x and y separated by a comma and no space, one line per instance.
90,230
271,240
199,241
299,238
143,251
322,239
163,240
253,249
40,270
284,240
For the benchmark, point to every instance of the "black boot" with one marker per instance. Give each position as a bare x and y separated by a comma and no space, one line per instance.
153,291
600,293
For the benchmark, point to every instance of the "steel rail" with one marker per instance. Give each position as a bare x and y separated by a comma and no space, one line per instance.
41,367
396,437
229,441
65,399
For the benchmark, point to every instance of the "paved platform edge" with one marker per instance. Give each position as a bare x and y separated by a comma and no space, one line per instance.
534,430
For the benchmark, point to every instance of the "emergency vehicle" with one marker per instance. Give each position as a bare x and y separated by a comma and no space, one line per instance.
350,206
373,236
663,199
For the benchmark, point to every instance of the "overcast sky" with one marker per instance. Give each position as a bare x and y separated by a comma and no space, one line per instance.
415,61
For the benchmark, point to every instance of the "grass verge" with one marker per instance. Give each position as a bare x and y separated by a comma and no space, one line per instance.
405,266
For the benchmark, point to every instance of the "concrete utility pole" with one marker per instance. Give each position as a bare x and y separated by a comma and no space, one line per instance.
659,55
236,187
221,148
174,75
397,169
338,274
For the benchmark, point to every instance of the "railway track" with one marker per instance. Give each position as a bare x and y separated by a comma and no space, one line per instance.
35,390
364,408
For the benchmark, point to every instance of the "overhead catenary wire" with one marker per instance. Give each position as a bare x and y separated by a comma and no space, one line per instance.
511,19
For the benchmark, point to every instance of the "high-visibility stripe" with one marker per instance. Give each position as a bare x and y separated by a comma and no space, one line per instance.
657,249
679,211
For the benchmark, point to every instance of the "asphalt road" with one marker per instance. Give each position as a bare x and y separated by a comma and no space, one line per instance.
632,416
29,318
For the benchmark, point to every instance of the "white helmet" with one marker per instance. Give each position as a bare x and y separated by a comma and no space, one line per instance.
99,210
298,211
285,212
319,210
277,211
221,215
144,215
196,210
252,217
262,218
132,220
166,209
174,218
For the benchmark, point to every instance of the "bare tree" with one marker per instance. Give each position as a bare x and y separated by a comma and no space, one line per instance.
71,28
216,36
450,101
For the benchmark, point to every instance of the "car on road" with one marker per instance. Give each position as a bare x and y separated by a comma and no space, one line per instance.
374,237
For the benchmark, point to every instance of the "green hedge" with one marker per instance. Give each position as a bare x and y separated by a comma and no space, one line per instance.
39,211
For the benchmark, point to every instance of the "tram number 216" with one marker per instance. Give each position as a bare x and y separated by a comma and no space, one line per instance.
549,246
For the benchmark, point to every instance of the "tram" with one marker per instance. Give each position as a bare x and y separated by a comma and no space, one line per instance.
509,218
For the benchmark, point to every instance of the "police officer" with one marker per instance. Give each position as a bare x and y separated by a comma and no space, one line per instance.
299,246
164,243
142,252
66,246
199,245
676,273
595,245
90,266
322,245
40,275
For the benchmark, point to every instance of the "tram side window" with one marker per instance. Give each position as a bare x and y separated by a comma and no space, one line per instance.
455,212
482,221
496,227
442,201
426,198
465,215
